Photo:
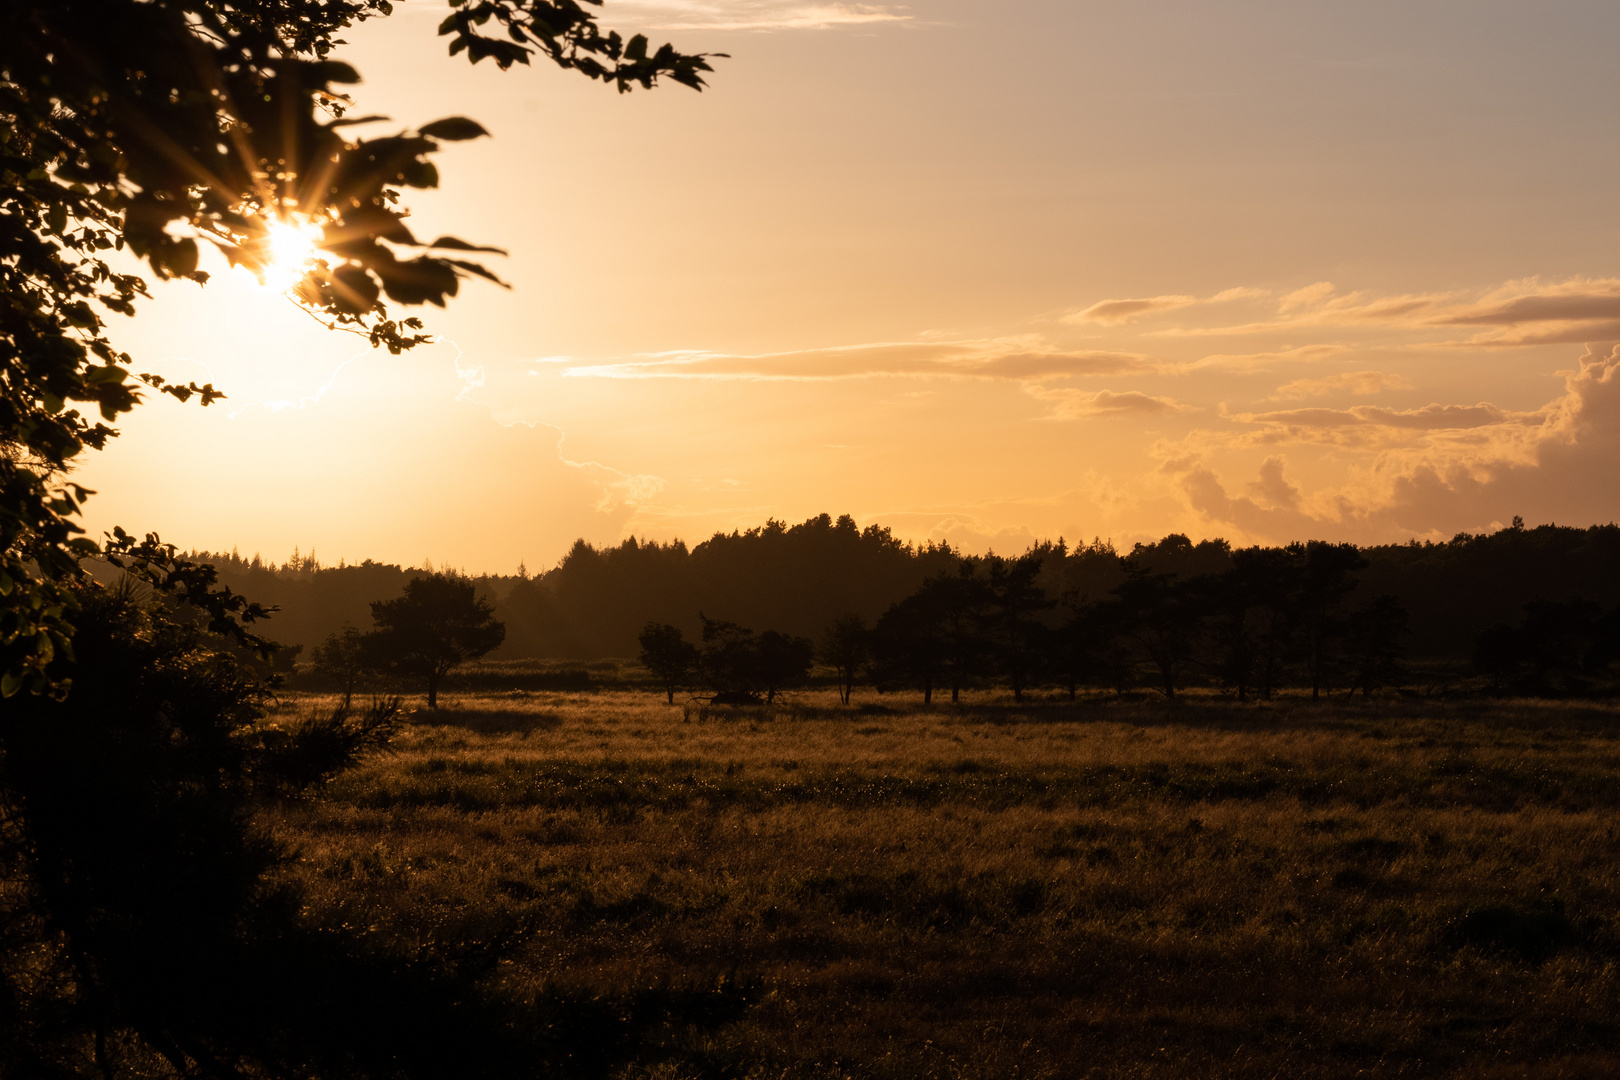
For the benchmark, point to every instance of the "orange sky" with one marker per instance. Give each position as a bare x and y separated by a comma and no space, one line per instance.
976,270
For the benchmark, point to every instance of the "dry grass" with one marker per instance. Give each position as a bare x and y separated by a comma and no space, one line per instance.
1052,890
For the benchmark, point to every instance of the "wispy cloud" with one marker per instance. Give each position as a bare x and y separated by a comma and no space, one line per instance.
1265,360
1071,404
1360,383
1532,312
757,14
1017,359
1115,312
1428,418
1377,427
1519,313
1320,305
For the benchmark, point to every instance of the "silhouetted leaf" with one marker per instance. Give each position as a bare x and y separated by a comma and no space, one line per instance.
454,129
455,244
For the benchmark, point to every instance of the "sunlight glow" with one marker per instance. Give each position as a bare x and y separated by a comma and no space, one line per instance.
290,248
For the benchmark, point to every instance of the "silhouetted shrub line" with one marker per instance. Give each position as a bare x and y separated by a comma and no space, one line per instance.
1518,612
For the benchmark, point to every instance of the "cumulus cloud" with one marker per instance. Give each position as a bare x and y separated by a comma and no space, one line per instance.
1271,511
1019,358
1486,465
1360,383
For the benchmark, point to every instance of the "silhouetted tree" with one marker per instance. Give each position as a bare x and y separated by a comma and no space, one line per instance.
845,647
1076,648
1179,557
1374,645
1557,648
729,662
438,624
341,658
784,661
669,656
1323,580
1163,618
1250,606
739,666
955,603
1012,600
908,646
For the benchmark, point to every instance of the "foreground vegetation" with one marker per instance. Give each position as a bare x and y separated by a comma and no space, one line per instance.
1114,887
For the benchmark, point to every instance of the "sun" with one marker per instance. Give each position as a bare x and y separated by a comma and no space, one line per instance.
289,249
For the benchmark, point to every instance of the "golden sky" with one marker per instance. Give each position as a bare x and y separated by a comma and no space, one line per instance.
978,270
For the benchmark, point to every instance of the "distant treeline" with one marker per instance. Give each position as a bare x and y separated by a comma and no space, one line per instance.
799,579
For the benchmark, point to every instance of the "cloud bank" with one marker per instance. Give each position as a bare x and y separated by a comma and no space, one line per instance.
1443,469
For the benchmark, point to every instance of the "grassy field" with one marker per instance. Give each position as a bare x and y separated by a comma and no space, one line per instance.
1109,888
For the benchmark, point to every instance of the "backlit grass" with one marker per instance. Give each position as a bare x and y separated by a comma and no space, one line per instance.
1113,888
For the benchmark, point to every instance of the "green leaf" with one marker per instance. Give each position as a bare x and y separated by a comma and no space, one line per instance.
454,129
58,216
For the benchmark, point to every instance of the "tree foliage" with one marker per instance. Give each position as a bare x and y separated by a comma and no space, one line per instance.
133,875
438,624
845,647
669,656
342,658
741,667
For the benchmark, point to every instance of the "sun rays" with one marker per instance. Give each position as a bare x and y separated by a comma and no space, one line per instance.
289,250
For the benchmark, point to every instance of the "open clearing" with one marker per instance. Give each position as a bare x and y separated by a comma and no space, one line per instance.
1111,888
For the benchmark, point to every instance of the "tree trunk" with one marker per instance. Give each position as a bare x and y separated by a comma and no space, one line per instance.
670,689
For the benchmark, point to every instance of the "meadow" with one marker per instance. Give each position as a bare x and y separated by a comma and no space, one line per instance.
1109,887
